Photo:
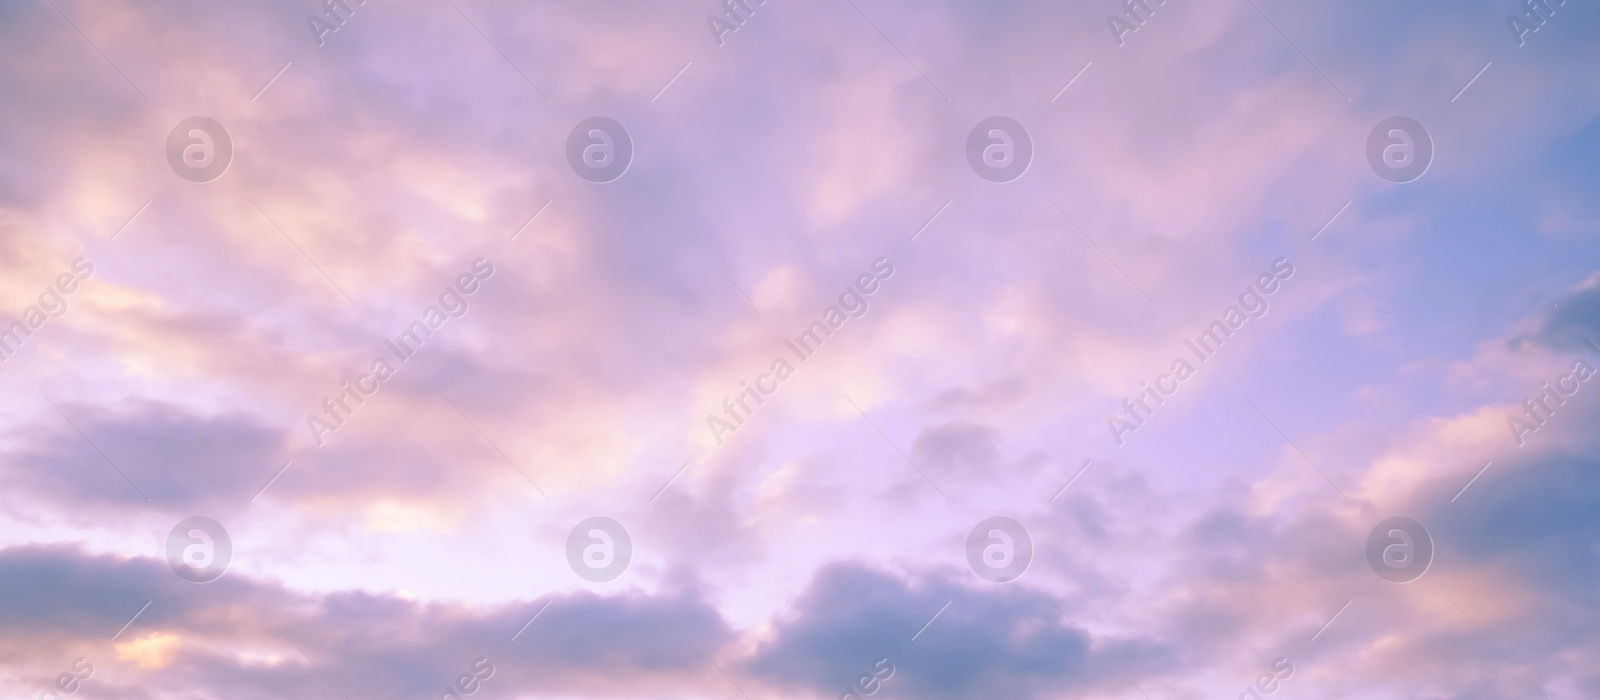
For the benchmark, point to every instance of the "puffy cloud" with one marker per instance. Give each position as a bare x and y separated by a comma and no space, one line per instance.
1007,641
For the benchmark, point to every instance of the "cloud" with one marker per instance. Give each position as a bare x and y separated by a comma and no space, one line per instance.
963,450
223,639
820,137
1005,641
182,461
1574,322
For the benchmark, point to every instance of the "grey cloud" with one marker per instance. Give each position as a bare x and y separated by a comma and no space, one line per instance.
1575,320
183,461
992,641
60,603
959,449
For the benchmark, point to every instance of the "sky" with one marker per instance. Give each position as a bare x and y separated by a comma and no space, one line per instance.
799,350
